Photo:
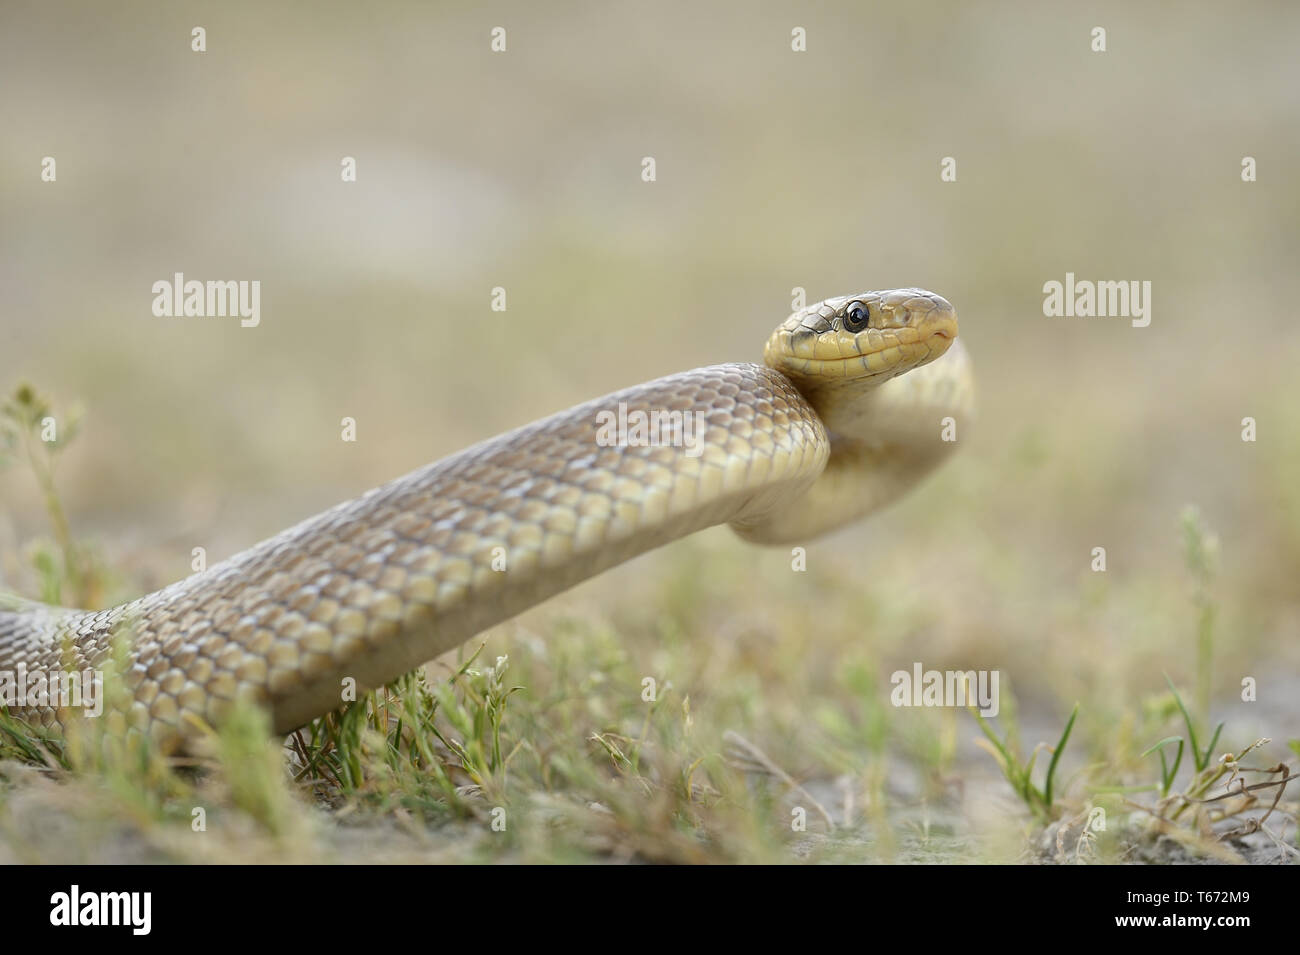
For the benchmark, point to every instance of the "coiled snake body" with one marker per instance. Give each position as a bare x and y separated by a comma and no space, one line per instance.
827,430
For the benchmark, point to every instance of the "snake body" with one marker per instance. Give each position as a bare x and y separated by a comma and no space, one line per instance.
846,414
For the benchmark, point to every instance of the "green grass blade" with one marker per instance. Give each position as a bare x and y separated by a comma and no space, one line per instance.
1056,756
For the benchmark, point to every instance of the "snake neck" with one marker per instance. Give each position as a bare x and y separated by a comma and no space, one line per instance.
885,439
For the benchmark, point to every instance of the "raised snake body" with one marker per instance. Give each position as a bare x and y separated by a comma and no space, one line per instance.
824,432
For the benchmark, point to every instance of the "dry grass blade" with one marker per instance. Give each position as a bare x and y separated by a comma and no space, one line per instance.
748,758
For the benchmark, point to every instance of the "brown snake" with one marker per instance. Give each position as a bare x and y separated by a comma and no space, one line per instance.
821,434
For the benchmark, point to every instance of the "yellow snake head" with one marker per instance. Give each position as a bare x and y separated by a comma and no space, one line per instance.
861,339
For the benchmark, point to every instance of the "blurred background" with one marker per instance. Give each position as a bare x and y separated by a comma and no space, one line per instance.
775,169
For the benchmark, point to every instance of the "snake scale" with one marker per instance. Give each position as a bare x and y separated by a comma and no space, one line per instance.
846,414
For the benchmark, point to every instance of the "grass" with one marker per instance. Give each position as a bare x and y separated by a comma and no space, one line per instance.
675,730
1020,773
31,432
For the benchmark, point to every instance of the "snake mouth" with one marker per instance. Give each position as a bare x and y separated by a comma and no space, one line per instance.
881,355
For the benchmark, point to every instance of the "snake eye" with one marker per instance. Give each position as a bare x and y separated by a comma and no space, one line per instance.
856,317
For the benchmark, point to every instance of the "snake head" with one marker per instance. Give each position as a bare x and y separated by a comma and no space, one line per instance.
862,339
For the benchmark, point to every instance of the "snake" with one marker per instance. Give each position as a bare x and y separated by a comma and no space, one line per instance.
858,399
